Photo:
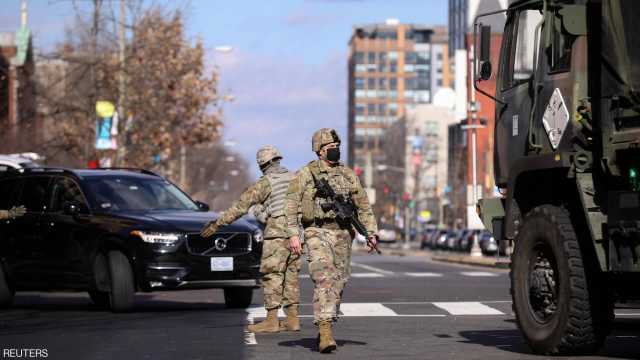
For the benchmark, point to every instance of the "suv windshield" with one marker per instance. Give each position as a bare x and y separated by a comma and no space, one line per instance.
117,193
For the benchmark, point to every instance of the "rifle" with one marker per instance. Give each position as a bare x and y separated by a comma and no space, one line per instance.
343,206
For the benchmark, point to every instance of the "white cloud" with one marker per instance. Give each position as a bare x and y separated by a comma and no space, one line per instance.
282,102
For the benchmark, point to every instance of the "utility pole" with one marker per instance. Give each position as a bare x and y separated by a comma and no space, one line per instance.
121,153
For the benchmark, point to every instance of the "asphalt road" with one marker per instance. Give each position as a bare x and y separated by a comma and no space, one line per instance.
394,308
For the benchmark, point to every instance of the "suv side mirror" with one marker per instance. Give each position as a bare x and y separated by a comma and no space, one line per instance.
202,206
71,208
485,70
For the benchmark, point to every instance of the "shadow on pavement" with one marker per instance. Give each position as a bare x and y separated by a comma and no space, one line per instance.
74,302
312,344
622,343
157,328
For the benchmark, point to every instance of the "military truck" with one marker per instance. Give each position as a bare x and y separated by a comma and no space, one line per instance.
567,157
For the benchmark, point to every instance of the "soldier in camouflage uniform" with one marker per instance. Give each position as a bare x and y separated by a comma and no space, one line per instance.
12,213
279,266
327,240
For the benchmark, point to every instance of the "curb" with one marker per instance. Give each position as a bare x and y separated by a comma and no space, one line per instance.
492,263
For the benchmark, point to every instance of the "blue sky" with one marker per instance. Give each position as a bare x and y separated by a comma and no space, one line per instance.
288,67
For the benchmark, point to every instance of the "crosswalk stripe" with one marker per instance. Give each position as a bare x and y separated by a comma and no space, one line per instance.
467,308
455,308
261,312
478,273
422,274
366,309
372,268
366,275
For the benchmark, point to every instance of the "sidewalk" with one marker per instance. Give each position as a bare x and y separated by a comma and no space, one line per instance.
501,262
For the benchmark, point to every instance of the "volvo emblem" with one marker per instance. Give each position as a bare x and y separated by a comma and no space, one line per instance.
220,244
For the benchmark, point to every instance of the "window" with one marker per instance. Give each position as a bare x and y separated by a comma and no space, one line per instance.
359,83
409,68
371,83
439,82
559,53
410,57
382,83
393,66
393,84
393,109
33,193
65,191
371,57
361,68
360,108
423,58
392,55
424,83
520,66
360,93
409,83
371,109
382,108
358,57
8,190
439,56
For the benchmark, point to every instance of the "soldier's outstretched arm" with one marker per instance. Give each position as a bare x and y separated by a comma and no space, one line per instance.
255,194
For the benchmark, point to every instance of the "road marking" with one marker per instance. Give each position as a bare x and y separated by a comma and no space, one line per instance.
371,268
249,337
304,276
627,314
422,274
367,275
478,273
366,309
467,308
261,312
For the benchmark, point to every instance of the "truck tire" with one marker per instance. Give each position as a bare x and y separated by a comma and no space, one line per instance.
121,296
99,298
6,293
557,305
238,297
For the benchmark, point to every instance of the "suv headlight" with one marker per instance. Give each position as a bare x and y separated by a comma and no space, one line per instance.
162,238
258,235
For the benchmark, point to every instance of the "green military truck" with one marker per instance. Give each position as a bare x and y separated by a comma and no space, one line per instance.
567,157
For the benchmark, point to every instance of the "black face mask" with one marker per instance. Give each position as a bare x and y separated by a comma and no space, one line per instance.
333,154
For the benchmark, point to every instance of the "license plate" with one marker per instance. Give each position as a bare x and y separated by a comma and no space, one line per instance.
221,264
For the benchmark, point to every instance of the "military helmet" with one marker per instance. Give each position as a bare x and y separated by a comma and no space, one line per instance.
266,154
323,137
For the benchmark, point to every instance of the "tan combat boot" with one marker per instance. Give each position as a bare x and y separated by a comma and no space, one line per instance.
269,325
326,344
291,323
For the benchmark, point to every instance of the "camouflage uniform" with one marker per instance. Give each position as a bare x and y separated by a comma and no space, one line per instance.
278,265
328,242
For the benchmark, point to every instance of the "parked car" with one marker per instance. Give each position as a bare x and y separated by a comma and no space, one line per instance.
488,243
442,239
387,233
466,243
18,161
114,232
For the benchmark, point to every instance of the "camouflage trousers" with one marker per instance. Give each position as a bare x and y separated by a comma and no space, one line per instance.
279,268
329,255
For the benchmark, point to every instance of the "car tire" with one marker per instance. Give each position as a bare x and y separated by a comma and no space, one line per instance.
121,296
100,299
6,293
554,299
238,297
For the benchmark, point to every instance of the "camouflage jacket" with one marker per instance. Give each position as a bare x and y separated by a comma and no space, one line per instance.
257,193
302,203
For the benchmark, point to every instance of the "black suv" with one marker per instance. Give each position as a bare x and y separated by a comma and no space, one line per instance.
113,232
